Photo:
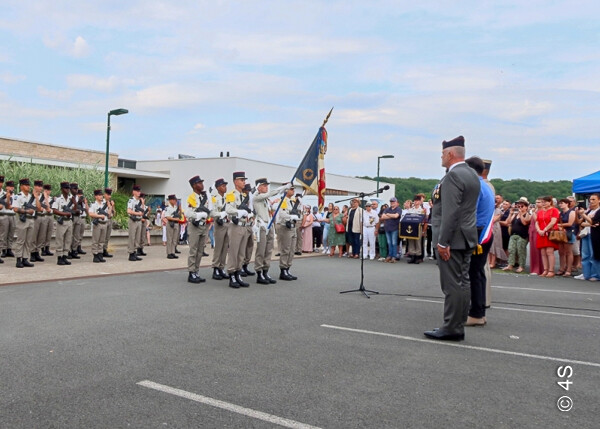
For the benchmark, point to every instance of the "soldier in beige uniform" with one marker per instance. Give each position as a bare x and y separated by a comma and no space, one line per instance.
7,220
99,215
298,244
172,214
144,221
249,236
2,217
39,225
265,236
78,224
111,214
198,208
25,206
239,215
47,226
286,235
221,232
135,212
62,208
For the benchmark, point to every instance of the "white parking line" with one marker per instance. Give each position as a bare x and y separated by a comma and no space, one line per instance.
547,290
516,309
464,346
227,406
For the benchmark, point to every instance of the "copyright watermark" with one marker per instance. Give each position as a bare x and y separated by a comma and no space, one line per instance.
564,373
564,403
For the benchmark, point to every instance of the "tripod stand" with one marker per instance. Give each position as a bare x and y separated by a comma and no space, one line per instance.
361,287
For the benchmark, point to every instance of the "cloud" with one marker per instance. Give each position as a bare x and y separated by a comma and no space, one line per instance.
10,78
100,84
77,48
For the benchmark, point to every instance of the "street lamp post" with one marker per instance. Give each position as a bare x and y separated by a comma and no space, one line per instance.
115,112
378,158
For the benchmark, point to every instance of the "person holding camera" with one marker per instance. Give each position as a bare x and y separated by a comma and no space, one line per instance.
518,220
589,221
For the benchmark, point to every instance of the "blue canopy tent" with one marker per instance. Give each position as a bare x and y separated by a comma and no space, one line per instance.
587,184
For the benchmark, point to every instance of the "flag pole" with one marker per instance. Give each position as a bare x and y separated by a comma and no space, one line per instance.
292,180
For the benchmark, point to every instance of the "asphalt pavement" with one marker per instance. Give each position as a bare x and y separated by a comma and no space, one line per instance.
149,350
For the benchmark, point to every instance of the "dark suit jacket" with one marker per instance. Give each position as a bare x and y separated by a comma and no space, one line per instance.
453,216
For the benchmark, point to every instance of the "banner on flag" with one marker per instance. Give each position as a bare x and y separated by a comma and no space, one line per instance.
311,172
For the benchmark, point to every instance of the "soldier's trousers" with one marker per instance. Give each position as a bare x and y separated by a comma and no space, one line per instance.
98,237
221,234
297,247
142,234
287,244
237,248
64,236
39,232
197,240
7,231
249,245
108,232
264,249
24,242
78,227
172,236
134,243
49,221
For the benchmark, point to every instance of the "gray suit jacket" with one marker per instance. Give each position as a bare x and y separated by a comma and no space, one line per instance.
453,216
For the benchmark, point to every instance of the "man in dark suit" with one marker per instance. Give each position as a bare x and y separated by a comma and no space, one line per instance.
454,236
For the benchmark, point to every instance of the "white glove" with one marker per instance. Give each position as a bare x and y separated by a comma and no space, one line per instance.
201,216
242,213
294,217
223,215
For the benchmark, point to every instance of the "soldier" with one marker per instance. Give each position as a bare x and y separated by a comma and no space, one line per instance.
172,215
2,217
25,205
221,232
62,208
45,234
99,215
297,249
77,234
249,236
286,234
135,212
239,214
145,219
38,221
264,237
83,213
110,209
7,226
198,208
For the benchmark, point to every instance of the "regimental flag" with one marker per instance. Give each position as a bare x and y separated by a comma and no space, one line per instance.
311,172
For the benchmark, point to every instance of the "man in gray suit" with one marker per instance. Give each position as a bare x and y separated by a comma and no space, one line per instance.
453,221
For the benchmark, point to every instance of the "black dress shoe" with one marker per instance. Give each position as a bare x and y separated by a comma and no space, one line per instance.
298,253
171,256
177,251
440,334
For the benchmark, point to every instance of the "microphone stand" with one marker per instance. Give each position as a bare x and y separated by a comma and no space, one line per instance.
361,288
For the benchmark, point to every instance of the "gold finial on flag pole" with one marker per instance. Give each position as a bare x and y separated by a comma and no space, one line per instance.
327,117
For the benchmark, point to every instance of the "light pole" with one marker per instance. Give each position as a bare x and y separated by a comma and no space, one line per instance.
115,112
378,158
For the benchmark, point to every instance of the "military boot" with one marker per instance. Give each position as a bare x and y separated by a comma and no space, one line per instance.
217,274
238,277
260,278
26,262
80,250
268,277
247,271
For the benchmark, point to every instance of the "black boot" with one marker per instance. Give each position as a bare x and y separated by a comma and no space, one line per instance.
293,277
96,258
100,257
247,271
65,260
3,254
1,261
74,255
238,276
284,275
60,261
47,251
193,278
411,260
261,279
105,254
26,262
217,274
43,253
171,256
223,274
9,253
141,252
19,263
35,257
80,250
132,257
268,277
233,281
176,251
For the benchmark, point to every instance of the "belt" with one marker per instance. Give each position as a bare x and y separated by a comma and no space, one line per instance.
369,226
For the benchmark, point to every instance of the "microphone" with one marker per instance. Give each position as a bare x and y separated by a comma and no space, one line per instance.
385,188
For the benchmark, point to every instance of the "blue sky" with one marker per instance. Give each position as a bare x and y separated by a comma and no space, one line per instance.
520,80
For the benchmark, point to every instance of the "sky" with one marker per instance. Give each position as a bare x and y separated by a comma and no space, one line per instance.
520,80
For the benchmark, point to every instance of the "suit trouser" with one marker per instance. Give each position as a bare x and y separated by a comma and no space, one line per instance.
264,249
39,232
456,286
369,241
298,234
7,231
287,243
221,234
317,236
249,245
238,237
24,242
78,227
108,232
478,281
98,237
172,236
197,240
413,247
64,235
49,221
133,243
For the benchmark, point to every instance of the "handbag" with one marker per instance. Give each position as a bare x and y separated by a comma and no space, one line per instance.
558,236
339,228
